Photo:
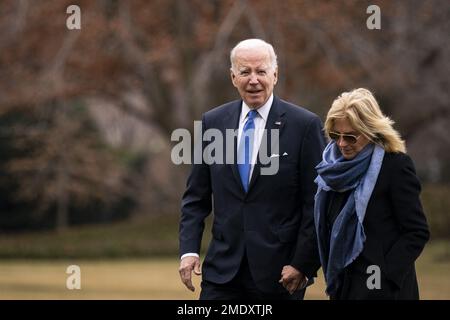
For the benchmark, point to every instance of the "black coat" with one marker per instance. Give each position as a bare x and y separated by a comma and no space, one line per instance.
396,231
273,222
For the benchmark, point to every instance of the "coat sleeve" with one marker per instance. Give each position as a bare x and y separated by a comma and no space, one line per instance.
405,190
196,204
306,257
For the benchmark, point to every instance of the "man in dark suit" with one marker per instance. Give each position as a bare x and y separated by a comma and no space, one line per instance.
263,243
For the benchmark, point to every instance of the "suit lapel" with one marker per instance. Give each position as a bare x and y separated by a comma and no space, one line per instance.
275,120
231,121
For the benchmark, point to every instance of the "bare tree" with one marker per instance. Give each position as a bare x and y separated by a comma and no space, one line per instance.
166,62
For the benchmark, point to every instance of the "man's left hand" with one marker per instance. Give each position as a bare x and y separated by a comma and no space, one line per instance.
292,279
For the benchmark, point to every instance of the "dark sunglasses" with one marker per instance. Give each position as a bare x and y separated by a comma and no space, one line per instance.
349,138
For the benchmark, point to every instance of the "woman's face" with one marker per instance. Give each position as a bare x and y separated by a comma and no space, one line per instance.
348,149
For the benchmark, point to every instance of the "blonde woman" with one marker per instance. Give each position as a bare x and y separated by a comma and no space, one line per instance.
368,217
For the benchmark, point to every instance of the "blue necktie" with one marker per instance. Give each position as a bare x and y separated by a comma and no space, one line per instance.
245,149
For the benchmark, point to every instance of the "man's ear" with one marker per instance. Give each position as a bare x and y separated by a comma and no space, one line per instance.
233,77
275,74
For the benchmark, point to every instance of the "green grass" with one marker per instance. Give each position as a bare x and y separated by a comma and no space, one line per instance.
436,204
433,268
143,237
152,236
138,259
158,278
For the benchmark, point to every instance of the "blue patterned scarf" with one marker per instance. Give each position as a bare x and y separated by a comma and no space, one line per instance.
335,173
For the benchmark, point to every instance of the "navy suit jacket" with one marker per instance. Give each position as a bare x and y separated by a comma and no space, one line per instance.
273,222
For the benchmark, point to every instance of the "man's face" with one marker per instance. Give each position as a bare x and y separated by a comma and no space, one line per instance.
253,76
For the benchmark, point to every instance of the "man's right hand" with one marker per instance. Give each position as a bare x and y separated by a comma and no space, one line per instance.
187,265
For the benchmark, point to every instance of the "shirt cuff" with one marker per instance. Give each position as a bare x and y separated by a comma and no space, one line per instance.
189,254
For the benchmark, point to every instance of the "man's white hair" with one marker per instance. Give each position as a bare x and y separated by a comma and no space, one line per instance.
254,44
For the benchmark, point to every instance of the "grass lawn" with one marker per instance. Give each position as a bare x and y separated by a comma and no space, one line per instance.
158,278
153,236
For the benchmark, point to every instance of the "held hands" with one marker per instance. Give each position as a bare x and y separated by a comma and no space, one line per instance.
292,279
187,265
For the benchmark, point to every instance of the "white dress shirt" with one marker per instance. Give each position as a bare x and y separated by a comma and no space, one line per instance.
260,124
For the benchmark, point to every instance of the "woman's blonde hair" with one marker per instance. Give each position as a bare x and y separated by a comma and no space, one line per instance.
364,114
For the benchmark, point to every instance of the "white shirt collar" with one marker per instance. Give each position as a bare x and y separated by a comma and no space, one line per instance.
263,111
